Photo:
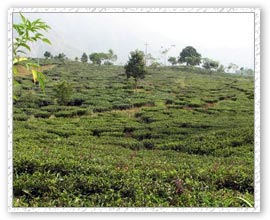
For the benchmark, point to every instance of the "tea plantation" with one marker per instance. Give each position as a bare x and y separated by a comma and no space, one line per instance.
183,138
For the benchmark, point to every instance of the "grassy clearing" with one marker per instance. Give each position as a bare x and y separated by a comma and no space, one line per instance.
184,138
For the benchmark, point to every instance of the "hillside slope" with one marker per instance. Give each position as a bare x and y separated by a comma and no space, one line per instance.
184,138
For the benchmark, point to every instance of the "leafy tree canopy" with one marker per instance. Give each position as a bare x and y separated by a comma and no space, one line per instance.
47,54
95,58
210,64
84,58
135,67
172,60
190,56
99,58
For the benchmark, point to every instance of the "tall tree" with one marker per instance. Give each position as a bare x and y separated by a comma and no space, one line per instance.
190,56
105,58
111,56
84,58
221,68
210,64
232,68
95,58
245,71
61,56
173,60
47,54
135,66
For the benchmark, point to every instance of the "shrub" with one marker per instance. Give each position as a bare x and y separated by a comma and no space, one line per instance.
63,91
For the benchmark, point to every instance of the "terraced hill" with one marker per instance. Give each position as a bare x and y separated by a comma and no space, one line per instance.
183,138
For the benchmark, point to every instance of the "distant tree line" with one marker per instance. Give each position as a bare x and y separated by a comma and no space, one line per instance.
61,56
48,55
190,57
96,58
99,58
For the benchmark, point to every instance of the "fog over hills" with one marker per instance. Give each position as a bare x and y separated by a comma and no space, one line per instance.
226,37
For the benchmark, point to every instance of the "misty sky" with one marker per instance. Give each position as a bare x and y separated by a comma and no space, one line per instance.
226,37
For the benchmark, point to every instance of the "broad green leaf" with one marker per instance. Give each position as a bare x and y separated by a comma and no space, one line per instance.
18,28
18,60
28,24
28,65
41,79
34,73
37,21
38,35
29,32
23,18
46,41
25,45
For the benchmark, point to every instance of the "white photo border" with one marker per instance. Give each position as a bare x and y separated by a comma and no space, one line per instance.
257,163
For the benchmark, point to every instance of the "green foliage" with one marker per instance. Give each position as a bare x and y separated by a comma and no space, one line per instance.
172,60
136,66
61,57
190,56
27,32
47,54
95,58
155,65
63,91
108,63
246,71
111,56
210,64
184,139
221,68
106,58
84,58
232,68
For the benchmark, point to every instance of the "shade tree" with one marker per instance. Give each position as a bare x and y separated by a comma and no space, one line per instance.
111,56
173,60
190,56
105,58
210,64
47,54
135,66
84,58
95,58
232,68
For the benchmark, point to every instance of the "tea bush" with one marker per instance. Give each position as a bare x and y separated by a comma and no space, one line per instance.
184,138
